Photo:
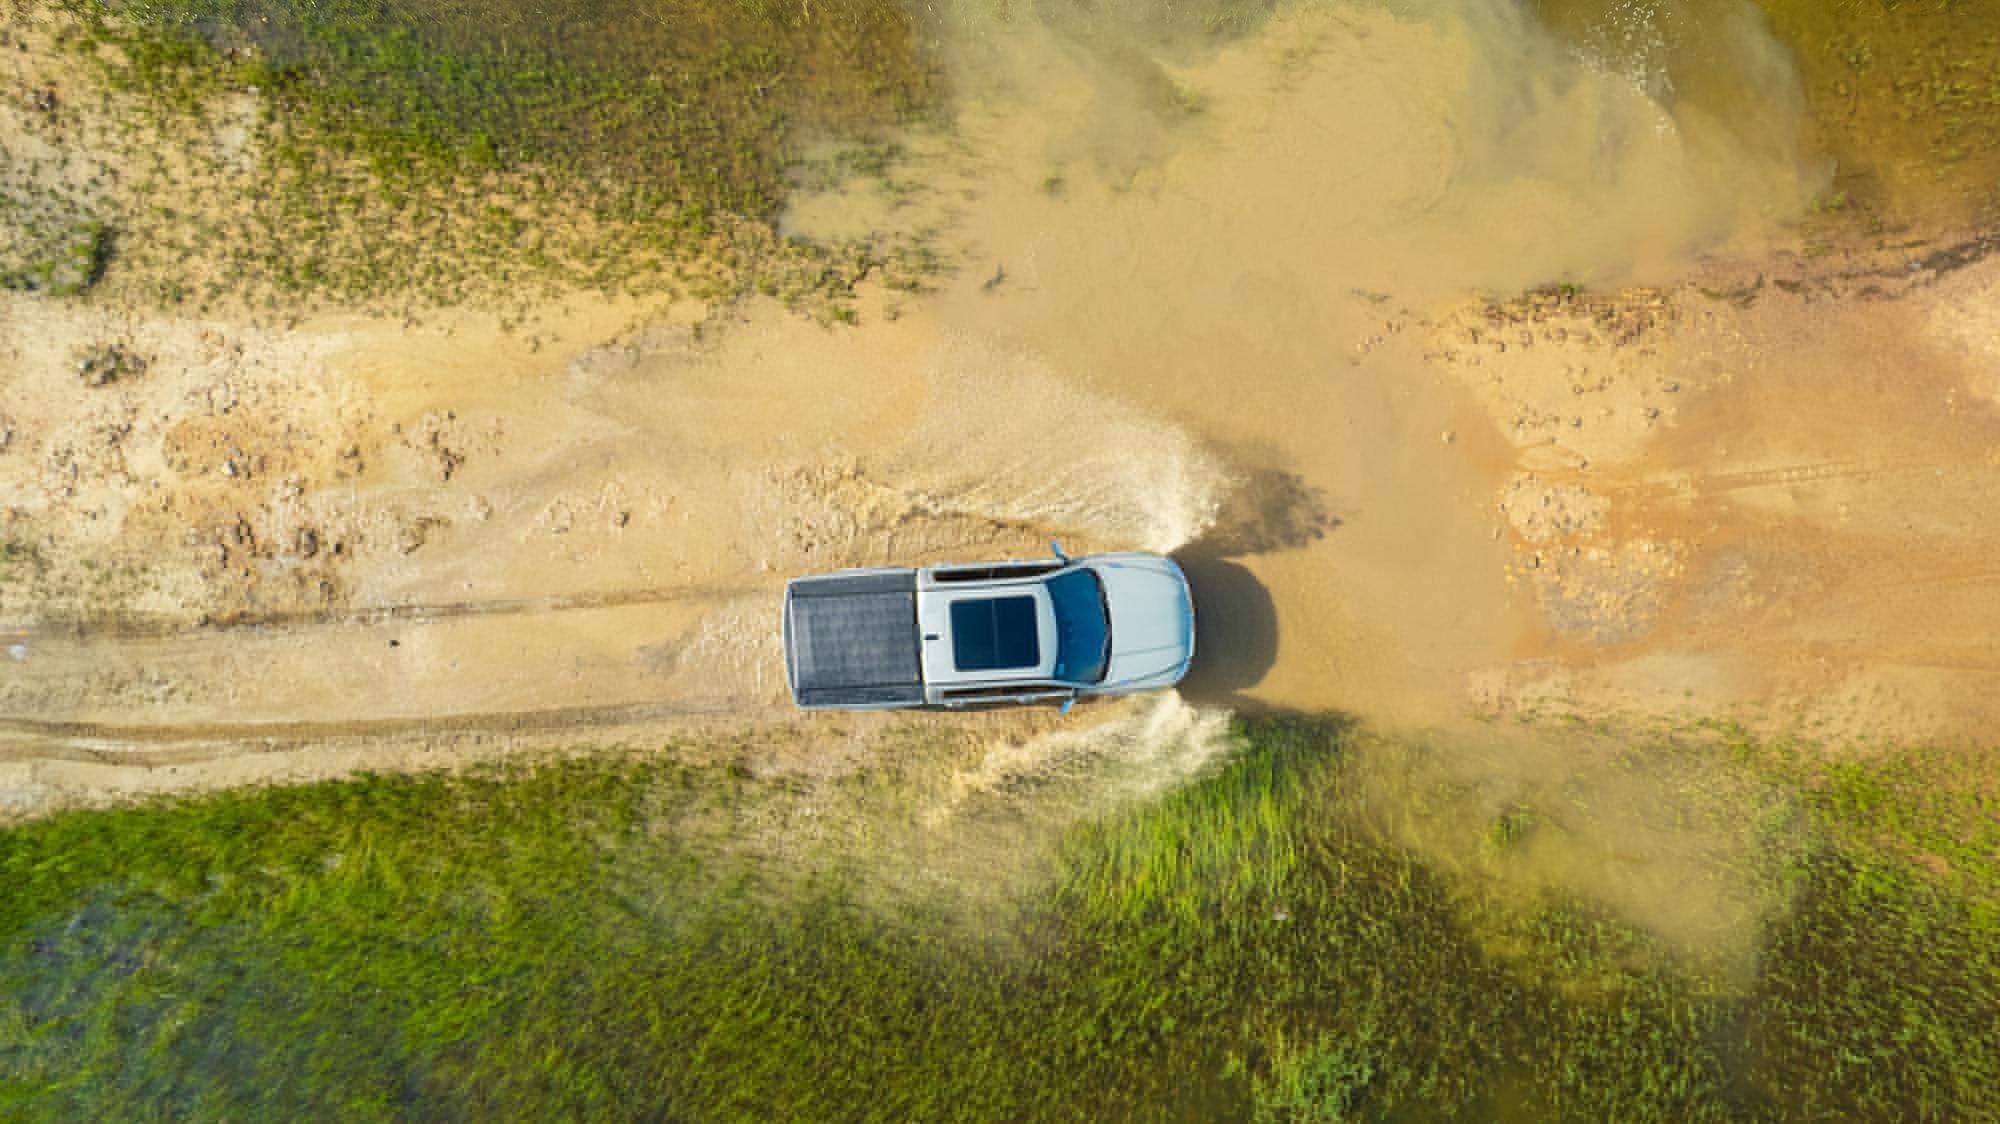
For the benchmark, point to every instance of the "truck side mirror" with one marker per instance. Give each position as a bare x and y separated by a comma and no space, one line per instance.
1057,547
1067,703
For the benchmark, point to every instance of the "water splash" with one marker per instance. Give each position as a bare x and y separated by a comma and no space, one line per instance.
1007,437
1147,747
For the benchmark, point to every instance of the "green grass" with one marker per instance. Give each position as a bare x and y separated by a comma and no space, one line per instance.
693,100
639,939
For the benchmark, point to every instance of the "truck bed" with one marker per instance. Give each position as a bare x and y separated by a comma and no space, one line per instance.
851,639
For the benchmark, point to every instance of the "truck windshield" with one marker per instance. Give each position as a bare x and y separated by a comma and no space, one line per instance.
1083,627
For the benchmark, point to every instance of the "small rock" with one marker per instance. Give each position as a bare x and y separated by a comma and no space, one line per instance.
1449,436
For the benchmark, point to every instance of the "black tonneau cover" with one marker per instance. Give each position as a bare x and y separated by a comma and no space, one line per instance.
851,639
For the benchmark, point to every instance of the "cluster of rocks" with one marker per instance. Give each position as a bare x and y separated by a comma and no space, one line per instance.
1622,319
1539,512
1604,594
1587,587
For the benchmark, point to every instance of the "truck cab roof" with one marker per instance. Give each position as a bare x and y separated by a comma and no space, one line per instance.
991,633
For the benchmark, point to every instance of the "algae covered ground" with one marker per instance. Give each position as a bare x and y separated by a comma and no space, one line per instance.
640,940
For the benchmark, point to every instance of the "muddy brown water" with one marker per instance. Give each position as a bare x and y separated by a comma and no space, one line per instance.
1254,265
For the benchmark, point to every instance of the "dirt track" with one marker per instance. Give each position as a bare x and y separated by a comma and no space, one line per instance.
1759,487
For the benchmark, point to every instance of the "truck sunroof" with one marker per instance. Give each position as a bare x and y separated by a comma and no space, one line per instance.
994,633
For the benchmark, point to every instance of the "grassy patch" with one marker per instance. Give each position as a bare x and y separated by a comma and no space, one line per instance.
694,100
362,151
622,939
48,245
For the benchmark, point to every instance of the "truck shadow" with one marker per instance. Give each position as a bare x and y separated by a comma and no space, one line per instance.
1235,630
1269,510
1235,620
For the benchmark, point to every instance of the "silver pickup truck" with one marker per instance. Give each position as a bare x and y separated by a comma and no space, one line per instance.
997,632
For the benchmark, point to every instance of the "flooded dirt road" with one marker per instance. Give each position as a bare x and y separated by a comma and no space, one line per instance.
1471,372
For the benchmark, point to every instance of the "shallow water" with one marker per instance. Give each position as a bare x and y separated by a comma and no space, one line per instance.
1244,242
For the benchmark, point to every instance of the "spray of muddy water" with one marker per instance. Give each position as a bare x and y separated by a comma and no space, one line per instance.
1170,250
1008,437
1146,748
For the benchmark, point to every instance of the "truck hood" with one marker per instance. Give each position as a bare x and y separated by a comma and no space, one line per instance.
1152,620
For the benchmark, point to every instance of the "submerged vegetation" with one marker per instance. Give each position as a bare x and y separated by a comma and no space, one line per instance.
1905,96
641,939
1901,96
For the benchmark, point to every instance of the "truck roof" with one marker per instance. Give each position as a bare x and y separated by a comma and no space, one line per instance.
987,633
852,640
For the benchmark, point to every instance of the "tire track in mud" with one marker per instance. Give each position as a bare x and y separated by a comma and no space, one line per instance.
1679,490
1683,483
1939,577
29,741
1814,472
145,628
